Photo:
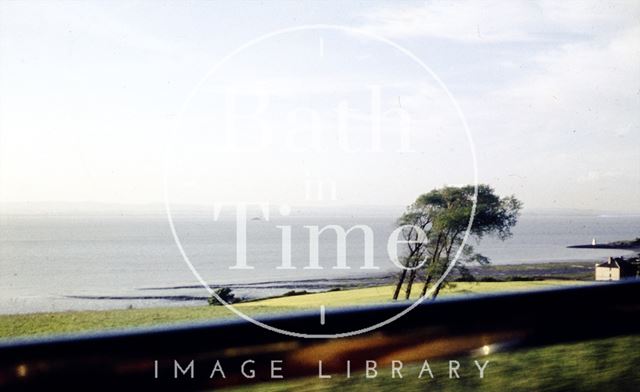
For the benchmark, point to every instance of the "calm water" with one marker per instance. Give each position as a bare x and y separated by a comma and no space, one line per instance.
94,262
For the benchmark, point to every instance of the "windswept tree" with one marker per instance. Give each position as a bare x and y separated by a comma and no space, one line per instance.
435,225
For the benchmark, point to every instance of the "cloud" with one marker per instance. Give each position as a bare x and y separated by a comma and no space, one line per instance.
501,21
568,123
599,175
588,88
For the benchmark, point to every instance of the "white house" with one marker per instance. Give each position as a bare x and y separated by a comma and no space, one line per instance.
614,269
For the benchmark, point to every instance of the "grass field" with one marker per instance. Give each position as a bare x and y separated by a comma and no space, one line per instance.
39,324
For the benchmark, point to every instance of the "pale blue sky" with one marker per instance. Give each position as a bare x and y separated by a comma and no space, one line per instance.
550,91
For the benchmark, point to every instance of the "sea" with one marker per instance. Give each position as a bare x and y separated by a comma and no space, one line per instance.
80,261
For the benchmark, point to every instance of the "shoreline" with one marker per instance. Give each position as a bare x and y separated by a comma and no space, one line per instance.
563,270
251,293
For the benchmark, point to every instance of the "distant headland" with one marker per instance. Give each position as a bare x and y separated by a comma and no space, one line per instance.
624,244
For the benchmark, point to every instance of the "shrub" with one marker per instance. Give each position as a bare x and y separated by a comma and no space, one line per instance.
293,292
225,294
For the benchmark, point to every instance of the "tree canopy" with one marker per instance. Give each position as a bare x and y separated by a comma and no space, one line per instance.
435,225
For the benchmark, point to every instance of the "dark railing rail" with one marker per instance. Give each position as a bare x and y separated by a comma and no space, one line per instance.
145,359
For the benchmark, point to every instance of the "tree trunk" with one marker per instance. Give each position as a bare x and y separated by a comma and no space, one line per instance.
434,259
412,251
448,260
436,291
427,281
412,277
399,284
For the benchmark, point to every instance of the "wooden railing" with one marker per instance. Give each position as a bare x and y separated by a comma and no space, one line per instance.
145,359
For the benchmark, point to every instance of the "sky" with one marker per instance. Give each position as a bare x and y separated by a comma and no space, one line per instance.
109,101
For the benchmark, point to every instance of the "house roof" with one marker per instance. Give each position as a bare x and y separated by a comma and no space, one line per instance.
611,263
616,263
607,264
